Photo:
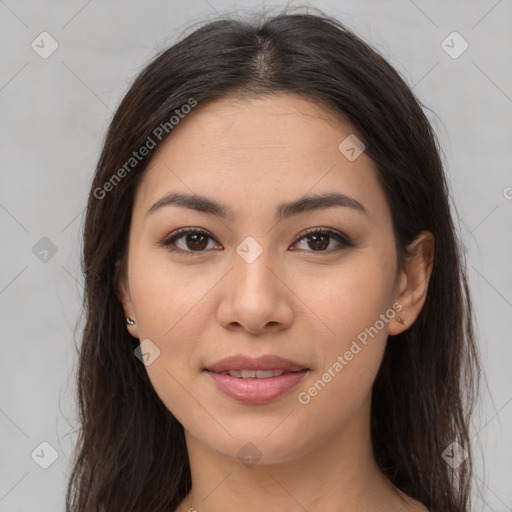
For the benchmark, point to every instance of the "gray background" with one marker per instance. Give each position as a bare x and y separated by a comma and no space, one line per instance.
54,114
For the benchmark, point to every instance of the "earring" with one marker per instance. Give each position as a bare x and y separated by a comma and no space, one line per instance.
129,321
402,321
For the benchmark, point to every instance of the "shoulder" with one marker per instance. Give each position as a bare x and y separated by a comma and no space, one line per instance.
418,507
412,505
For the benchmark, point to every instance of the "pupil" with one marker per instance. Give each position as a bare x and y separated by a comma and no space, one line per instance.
319,245
195,244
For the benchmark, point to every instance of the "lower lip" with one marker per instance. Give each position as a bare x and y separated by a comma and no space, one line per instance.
256,391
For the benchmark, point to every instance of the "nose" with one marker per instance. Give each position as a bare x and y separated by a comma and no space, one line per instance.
256,297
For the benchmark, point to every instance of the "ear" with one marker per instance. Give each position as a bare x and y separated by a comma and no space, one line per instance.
124,296
412,287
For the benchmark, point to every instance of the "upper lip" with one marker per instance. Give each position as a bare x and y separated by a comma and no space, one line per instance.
265,362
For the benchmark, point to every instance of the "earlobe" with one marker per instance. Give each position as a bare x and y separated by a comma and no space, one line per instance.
124,297
413,284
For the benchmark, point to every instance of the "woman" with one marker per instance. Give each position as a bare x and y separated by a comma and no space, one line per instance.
277,309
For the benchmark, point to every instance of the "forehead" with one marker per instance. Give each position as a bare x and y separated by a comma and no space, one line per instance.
278,123
271,148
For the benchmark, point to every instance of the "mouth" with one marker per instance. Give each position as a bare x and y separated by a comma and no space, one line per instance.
256,380
243,366
255,374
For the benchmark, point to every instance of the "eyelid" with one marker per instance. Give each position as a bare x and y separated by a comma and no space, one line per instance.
181,232
333,233
340,237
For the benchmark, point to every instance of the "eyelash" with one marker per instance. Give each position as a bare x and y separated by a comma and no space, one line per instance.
180,233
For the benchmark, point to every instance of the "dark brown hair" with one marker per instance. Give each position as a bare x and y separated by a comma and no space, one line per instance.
131,453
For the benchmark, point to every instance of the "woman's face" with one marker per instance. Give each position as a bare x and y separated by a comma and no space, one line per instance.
254,283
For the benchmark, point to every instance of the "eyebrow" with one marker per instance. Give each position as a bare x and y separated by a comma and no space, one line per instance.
305,204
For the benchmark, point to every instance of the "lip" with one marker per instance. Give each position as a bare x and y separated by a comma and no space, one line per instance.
254,390
265,362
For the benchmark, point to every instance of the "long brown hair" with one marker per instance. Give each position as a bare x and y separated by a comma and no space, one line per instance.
131,453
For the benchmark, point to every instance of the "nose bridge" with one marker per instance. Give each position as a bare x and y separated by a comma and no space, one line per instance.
253,297
253,257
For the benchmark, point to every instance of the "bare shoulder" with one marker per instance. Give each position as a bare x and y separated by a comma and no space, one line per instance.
414,506
411,505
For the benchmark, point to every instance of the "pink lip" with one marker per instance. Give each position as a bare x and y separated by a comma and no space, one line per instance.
254,390
265,362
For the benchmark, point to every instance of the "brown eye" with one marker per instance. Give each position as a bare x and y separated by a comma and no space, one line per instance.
319,240
196,241
192,241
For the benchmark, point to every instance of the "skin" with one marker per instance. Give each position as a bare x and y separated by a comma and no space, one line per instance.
305,305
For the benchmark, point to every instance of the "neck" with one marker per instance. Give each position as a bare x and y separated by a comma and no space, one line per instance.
338,473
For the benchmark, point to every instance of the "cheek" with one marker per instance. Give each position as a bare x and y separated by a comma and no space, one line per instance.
352,297
171,312
355,305
166,296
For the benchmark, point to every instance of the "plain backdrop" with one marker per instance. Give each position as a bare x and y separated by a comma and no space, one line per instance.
54,112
